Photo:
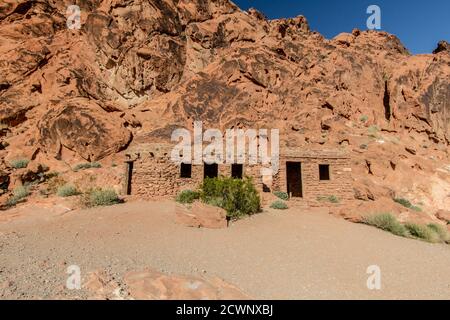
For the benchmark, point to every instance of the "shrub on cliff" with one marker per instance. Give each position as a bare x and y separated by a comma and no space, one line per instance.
387,222
87,165
422,232
407,204
19,194
67,190
19,163
441,231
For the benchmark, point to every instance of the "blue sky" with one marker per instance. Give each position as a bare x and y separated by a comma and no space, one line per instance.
420,25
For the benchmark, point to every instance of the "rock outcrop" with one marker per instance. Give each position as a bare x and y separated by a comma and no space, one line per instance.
201,215
136,69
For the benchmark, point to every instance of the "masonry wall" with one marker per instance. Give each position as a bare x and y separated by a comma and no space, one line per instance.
314,190
158,177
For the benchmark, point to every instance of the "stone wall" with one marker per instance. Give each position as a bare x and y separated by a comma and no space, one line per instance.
155,176
314,190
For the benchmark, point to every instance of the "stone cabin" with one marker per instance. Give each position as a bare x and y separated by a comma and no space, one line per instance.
309,175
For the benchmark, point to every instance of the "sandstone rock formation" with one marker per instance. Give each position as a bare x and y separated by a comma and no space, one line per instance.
150,284
201,215
153,285
137,69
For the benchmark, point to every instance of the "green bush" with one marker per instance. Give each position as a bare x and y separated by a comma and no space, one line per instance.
422,232
407,204
282,195
100,197
20,163
279,205
67,190
331,199
441,231
364,118
373,132
87,165
237,196
12,201
19,194
187,196
387,222
432,232
216,202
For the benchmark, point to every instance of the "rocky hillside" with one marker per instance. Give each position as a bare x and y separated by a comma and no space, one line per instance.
137,69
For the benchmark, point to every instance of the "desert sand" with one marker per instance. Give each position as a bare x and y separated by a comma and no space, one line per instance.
294,254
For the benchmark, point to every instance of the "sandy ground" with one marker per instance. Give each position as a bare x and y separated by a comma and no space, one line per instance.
293,254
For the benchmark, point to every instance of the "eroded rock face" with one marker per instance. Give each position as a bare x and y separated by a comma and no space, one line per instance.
443,46
84,127
137,69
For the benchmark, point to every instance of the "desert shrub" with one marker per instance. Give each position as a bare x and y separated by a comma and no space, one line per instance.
282,195
87,165
279,205
187,196
403,202
217,202
364,146
100,197
55,183
441,231
387,222
407,204
373,129
237,196
422,232
373,132
331,199
20,163
21,192
18,195
364,118
12,201
67,190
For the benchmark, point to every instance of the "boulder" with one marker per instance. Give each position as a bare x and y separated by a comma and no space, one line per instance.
152,285
443,215
443,46
201,215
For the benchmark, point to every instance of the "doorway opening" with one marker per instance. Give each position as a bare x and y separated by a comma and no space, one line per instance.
128,177
210,170
294,179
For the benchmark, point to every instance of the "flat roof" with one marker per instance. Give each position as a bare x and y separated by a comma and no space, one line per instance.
298,152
